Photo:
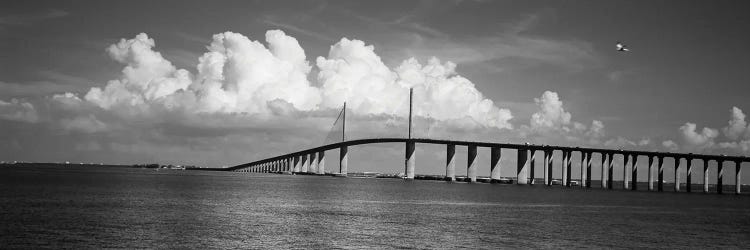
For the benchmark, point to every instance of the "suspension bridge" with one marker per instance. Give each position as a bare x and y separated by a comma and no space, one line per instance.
313,161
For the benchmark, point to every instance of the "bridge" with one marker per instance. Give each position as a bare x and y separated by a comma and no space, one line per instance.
312,161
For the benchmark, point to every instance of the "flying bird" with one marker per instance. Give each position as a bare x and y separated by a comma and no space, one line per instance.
621,47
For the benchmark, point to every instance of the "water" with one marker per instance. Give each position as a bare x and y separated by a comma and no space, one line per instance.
87,207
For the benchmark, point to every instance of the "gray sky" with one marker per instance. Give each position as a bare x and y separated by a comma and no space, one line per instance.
688,64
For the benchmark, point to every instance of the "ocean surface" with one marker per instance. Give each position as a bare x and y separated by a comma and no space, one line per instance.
97,207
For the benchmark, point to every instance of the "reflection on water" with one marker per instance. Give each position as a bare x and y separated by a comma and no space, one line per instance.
132,208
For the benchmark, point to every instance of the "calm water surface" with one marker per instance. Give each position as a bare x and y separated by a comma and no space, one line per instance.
70,207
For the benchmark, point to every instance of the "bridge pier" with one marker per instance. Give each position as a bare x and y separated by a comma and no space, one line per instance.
634,174
532,164
660,184
563,168
450,162
610,171
677,163
652,162
522,167
720,176
583,169
604,171
689,177
410,160
343,160
589,164
495,154
471,164
546,169
568,169
313,163
321,162
305,164
626,162
737,174
297,163
705,175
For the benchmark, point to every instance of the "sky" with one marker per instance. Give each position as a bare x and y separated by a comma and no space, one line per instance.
222,83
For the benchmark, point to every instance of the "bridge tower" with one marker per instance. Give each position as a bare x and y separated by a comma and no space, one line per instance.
344,150
410,161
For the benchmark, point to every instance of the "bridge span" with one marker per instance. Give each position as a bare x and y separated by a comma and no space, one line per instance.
312,161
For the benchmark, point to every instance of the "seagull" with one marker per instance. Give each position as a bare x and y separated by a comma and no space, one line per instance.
621,47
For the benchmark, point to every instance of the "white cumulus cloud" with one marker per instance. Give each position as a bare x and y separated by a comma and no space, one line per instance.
18,110
697,140
737,125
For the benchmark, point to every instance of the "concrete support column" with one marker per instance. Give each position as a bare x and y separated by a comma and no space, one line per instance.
313,163
652,162
532,163
626,162
564,168
720,176
634,174
589,161
494,164
677,163
321,162
737,174
522,164
343,160
583,169
471,164
297,164
705,175
604,170
610,170
689,177
305,163
568,169
660,184
410,160
450,162
546,166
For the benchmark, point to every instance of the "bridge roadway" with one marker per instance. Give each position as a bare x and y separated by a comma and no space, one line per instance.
313,161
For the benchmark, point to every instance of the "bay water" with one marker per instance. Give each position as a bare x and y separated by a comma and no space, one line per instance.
97,207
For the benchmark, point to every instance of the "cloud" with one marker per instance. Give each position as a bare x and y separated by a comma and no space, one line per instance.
354,73
737,126
551,114
32,89
736,133
85,124
18,110
670,145
697,140
552,124
252,91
